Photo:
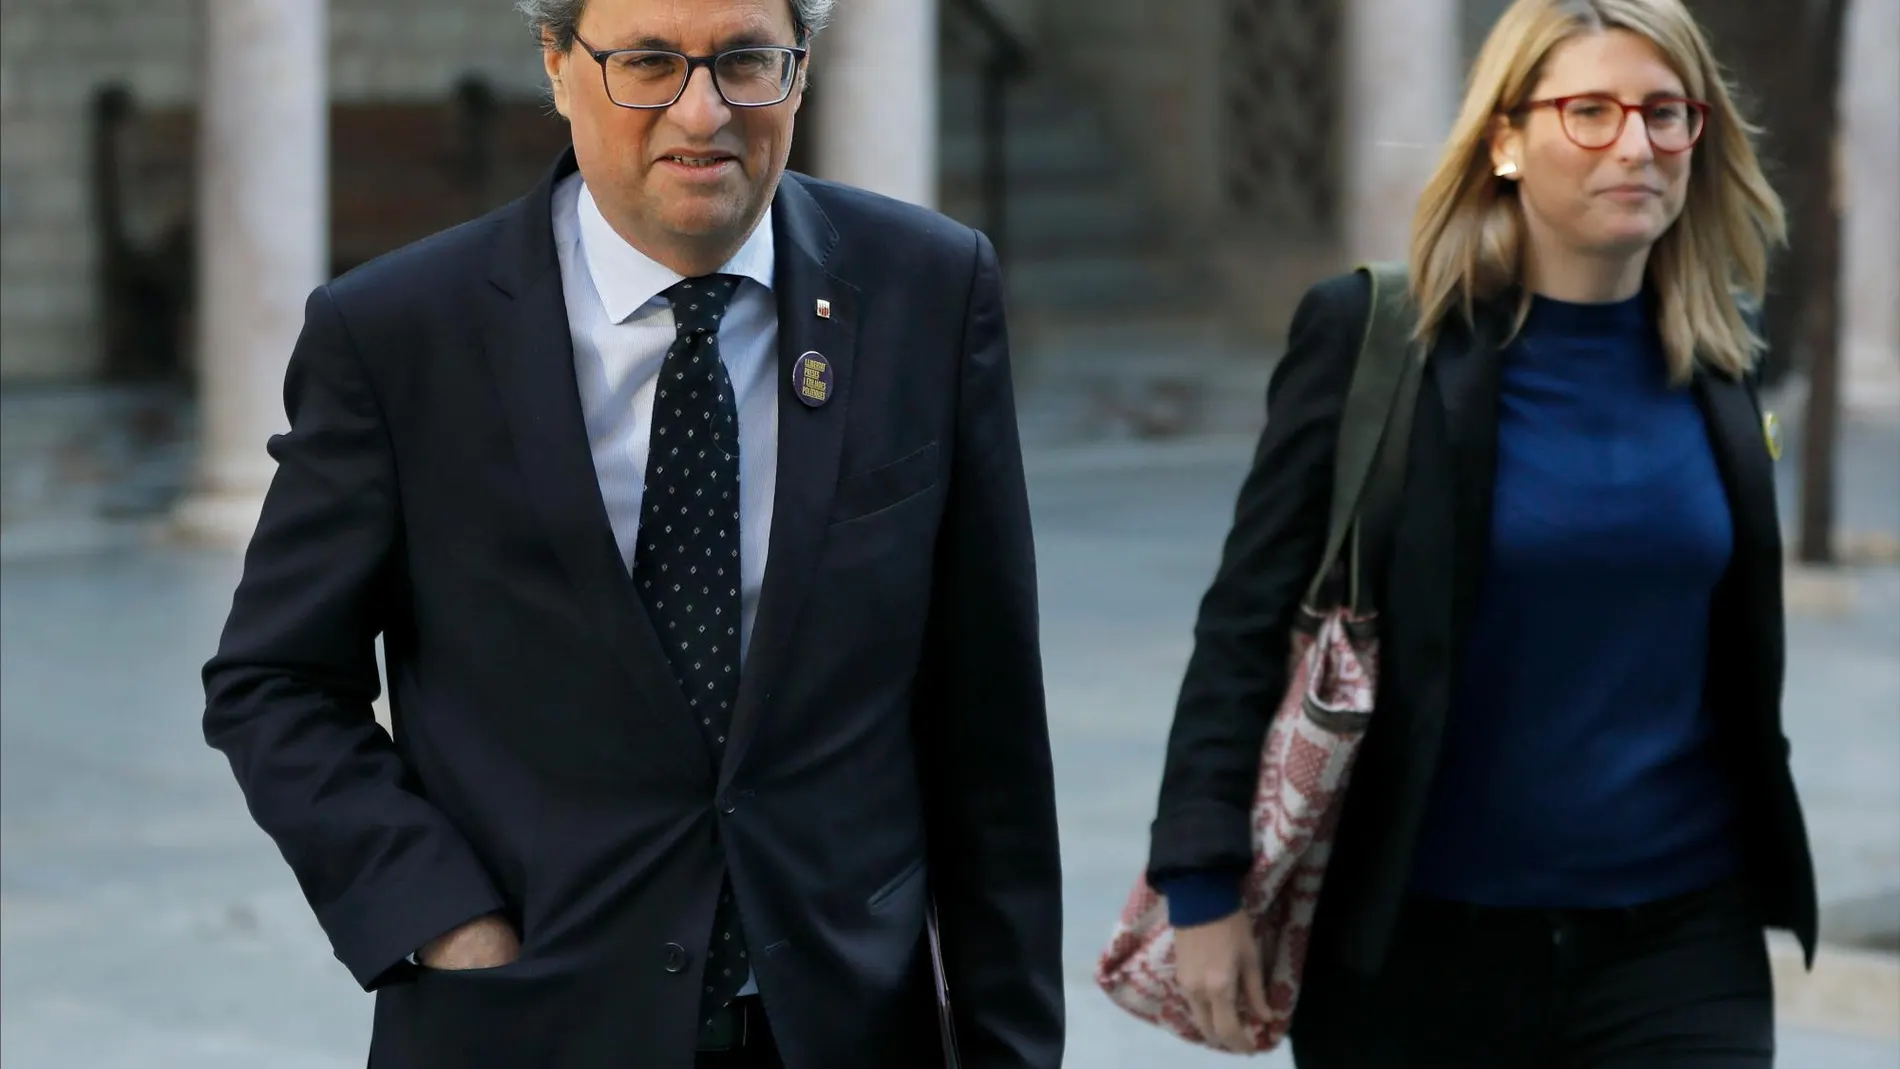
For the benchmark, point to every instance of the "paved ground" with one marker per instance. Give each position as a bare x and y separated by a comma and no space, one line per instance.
147,924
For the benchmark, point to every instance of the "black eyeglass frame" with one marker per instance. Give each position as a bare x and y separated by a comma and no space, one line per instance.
693,63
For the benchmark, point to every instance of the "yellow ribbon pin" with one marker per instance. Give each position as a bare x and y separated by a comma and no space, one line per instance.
1771,433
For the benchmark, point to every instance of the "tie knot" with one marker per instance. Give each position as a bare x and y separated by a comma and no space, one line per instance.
699,303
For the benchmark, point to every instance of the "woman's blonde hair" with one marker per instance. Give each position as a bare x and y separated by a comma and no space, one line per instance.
1468,234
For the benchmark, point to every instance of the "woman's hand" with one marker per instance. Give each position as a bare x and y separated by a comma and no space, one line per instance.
1218,963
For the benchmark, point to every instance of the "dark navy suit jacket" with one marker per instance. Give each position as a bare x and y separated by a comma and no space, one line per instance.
889,742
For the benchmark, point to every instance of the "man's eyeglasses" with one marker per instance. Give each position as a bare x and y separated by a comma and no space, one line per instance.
754,77
1595,121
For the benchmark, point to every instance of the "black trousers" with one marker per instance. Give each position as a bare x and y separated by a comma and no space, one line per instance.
1678,984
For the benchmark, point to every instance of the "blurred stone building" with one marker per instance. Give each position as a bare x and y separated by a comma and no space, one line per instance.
1164,179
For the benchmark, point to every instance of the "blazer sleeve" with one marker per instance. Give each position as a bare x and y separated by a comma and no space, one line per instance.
1238,669
288,693
983,728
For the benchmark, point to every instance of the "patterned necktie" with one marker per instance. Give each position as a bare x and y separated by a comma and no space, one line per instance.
686,558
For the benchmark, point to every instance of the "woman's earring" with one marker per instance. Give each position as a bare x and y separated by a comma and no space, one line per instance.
1507,169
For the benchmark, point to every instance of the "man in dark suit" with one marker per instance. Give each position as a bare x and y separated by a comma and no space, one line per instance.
687,498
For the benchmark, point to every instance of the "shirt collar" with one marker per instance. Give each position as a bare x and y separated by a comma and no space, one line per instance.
627,279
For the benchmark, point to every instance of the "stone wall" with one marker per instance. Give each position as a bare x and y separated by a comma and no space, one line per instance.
54,54
1152,68
1156,72
1160,72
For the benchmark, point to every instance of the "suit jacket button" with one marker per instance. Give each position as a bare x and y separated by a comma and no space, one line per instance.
675,958
726,806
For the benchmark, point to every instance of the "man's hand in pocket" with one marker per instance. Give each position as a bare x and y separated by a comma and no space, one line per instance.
483,943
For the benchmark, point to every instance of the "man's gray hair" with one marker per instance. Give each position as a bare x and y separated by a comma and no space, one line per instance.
556,20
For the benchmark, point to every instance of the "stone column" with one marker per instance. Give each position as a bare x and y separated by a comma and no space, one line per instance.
1870,269
262,242
1402,75
874,75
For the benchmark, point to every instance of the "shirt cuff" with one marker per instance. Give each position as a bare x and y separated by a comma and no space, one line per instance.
1201,897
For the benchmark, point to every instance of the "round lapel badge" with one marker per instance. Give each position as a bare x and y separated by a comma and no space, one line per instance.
811,379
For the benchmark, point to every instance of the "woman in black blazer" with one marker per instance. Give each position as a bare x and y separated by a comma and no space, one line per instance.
1572,815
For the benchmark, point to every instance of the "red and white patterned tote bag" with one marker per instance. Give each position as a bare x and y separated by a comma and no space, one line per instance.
1307,759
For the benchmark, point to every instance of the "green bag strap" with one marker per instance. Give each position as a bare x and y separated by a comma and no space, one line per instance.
1375,429
1381,504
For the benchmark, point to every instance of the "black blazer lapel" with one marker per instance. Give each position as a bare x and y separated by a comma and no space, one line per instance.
1738,437
810,440
1467,363
531,354
1746,647
1748,653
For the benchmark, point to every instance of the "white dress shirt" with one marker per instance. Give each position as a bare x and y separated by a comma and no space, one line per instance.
622,327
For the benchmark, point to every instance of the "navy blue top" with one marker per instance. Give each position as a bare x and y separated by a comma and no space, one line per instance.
1575,769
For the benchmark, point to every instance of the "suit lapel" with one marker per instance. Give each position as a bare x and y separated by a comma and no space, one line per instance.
1747,652
1736,435
810,442
531,355
1468,365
